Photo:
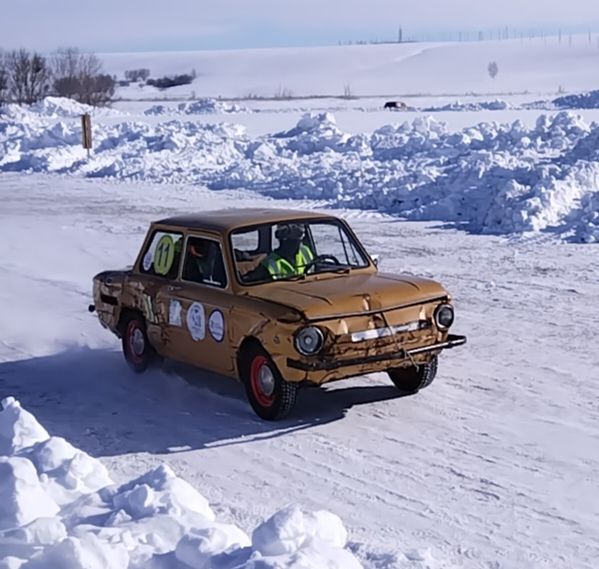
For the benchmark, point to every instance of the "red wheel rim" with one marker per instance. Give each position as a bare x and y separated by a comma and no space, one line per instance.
133,333
259,371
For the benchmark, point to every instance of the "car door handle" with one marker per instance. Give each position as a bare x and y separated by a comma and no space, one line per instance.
174,288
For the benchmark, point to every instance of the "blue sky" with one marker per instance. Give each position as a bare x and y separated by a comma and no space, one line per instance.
143,25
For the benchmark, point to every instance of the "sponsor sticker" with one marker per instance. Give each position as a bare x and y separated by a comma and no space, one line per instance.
196,321
174,313
216,325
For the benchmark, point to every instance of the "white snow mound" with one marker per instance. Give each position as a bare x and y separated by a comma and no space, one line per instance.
59,509
204,106
489,178
57,107
19,429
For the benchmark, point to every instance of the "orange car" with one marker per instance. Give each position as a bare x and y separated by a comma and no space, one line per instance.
274,298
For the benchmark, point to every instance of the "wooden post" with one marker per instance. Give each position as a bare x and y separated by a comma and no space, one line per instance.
86,126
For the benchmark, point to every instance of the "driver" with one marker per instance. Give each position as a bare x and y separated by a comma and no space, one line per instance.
291,256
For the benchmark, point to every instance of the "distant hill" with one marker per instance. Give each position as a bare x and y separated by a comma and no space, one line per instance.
537,66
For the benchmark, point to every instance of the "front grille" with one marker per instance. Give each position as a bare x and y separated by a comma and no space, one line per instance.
387,343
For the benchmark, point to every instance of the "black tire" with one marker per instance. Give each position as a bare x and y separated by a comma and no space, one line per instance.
414,378
137,349
270,396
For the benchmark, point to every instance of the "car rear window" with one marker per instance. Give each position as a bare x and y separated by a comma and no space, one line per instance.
163,255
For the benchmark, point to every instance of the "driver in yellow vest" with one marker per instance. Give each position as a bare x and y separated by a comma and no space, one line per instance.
291,256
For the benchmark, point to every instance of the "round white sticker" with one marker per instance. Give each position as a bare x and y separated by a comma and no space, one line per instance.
196,321
216,325
147,262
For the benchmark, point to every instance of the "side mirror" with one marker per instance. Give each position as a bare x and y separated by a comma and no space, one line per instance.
375,259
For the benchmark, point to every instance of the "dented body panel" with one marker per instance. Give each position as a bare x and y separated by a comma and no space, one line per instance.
369,321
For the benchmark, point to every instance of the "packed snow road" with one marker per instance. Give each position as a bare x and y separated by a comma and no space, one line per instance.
495,465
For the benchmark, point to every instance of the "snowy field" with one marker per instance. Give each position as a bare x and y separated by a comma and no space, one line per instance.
415,69
494,466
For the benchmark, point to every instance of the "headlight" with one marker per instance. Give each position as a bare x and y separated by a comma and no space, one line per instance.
444,316
308,341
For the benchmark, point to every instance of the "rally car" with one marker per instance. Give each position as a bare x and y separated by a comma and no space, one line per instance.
275,298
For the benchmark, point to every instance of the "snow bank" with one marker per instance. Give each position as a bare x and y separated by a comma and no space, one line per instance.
496,105
489,178
56,107
60,509
588,100
199,107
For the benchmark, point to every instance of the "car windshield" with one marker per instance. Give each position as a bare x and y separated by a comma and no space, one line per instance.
294,250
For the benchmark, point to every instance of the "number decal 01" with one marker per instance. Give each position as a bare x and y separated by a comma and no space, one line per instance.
164,255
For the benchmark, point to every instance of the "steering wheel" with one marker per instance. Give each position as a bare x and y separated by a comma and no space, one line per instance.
321,259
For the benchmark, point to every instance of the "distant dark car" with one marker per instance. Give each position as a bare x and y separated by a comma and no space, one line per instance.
396,106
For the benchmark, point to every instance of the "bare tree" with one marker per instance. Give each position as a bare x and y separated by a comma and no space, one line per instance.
134,75
493,69
80,76
4,85
98,89
28,76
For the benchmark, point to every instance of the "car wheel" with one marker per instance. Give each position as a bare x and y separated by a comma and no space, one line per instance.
269,394
137,349
414,378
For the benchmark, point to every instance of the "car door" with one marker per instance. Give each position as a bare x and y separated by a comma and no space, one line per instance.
158,270
198,306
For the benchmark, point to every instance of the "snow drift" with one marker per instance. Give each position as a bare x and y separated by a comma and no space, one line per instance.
458,106
205,106
490,178
588,100
60,509
56,107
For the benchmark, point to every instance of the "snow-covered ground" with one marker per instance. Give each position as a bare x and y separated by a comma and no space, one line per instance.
59,508
497,196
488,178
495,465
438,69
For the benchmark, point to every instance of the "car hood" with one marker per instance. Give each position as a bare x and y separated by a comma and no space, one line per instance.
342,295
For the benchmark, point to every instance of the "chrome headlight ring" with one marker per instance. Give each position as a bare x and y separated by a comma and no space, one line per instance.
444,316
308,341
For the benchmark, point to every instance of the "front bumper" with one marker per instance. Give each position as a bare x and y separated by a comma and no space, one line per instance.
453,341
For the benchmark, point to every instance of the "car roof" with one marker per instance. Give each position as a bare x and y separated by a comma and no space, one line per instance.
224,220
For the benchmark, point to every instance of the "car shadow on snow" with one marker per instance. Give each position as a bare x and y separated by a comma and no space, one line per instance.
91,398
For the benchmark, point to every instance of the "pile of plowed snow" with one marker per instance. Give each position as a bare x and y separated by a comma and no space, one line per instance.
55,107
200,107
489,178
588,100
59,509
458,106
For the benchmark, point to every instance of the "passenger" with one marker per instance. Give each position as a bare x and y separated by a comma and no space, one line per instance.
199,264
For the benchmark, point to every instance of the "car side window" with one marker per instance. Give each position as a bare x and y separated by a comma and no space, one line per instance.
162,257
245,244
204,262
330,239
